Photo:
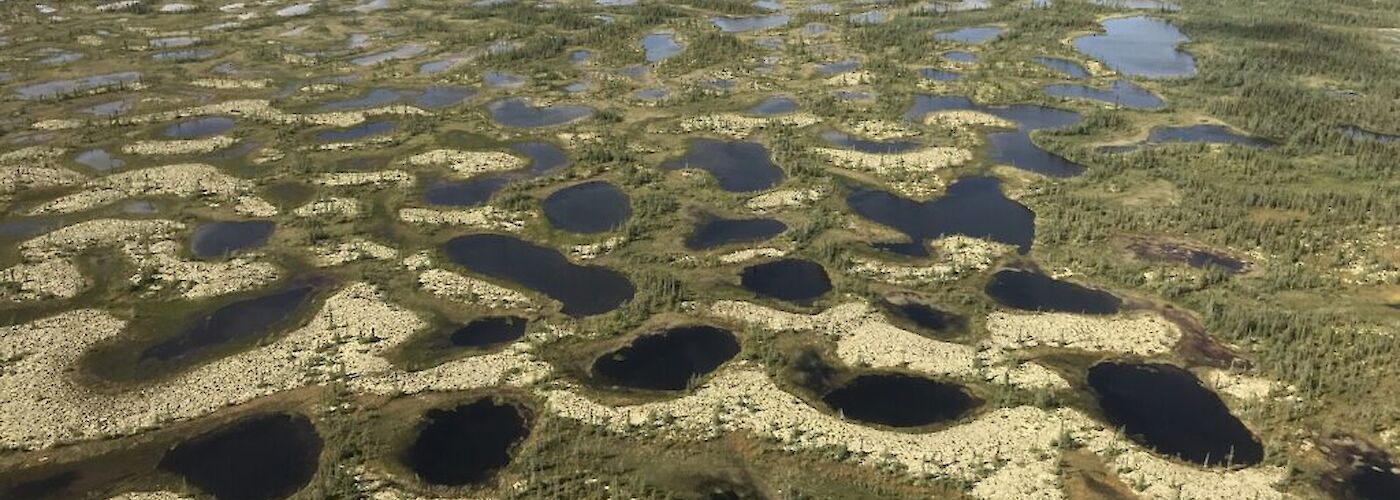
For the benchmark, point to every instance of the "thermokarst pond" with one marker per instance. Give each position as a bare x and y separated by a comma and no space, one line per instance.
467,444
899,400
1032,291
718,232
1121,93
668,360
659,46
1168,410
545,159
583,290
1013,148
224,238
489,331
357,132
520,113
259,458
793,280
1139,46
588,208
972,206
737,166
1064,66
237,321
923,317
773,106
1194,257
199,127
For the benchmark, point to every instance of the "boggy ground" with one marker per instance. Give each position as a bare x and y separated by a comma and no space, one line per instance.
338,150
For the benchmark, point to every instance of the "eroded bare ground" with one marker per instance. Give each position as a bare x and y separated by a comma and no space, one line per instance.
216,211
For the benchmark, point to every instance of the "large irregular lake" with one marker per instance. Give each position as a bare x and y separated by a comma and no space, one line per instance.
1139,46
972,206
738,166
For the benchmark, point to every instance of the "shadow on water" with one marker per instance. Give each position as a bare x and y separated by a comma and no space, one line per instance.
1013,148
467,444
259,458
793,280
583,290
1168,410
717,232
588,208
738,166
667,360
899,400
1033,291
972,206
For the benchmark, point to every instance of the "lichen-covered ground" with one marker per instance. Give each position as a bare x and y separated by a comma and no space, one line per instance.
371,133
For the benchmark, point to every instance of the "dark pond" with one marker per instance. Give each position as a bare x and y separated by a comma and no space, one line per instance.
939,75
489,331
659,46
667,360
1166,408
1204,134
99,160
737,166
521,114
794,280
590,207
1356,132
53,486
467,444
974,35
924,317
1186,255
259,458
545,159
361,131
750,23
1032,291
1139,46
218,239
1121,93
238,320
1013,148
1372,478
972,206
716,232
847,141
1067,67
773,106
899,400
583,290
199,127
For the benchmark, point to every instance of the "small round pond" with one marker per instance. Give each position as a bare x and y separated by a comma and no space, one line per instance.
794,280
588,208
222,238
467,444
